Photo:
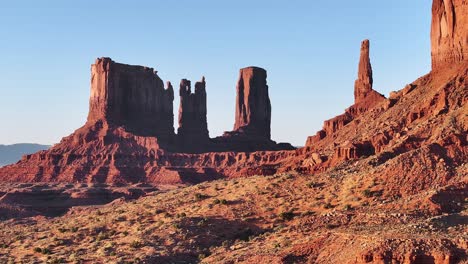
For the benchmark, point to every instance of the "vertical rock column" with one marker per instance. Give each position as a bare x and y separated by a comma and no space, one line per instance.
253,107
193,125
363,85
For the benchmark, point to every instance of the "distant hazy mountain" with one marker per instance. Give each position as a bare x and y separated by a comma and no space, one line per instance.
12,153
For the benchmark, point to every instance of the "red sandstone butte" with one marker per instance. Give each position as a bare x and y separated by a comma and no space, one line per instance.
253,107
129,135
252,124
131,96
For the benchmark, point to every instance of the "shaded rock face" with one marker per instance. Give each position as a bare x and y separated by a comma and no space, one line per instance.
363,85
253,107
192,112
131,96
449,32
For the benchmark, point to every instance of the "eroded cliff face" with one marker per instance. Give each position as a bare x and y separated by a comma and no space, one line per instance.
253,107
131,96
449,33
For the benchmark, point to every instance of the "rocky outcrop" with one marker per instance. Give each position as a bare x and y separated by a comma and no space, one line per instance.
449,33
253,107
131,96
193,127
365,98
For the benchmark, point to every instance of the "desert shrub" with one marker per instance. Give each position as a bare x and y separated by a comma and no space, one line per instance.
218,201
306,213
56,260
347,207
225,243
102,236
159,211
45,251
204,255
286,216
202,222
328,206
367,193
181,215
74,229
136,244
199,196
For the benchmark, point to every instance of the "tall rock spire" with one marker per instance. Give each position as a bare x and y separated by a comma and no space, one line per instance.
363,85
253,107
449,33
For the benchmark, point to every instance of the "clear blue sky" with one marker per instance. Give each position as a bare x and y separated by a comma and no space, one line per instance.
309,48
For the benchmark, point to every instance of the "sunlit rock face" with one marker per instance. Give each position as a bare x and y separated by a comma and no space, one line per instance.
253,107
131,96
449,33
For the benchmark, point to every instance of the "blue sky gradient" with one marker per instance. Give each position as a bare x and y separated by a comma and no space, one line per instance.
309,48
